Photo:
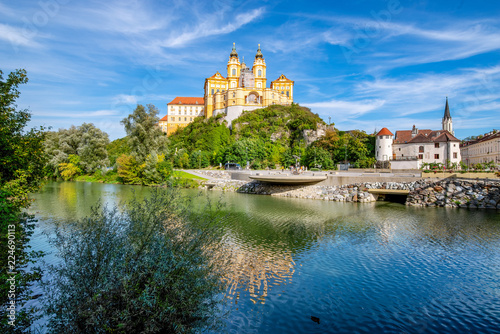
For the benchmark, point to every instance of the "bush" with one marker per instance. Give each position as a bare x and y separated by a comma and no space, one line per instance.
147,270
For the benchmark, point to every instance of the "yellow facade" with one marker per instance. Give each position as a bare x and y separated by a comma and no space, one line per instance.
181,112
245,88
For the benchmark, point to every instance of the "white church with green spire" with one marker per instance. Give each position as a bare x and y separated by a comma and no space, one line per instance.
411,148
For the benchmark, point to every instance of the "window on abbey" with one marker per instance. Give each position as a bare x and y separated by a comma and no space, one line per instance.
260,73
212,91
234,72
421,149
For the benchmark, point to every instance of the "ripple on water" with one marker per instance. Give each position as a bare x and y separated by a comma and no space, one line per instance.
358,268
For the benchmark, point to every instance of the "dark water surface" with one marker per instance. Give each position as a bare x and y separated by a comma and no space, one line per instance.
359,268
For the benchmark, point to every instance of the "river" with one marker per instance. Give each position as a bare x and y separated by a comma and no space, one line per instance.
309,266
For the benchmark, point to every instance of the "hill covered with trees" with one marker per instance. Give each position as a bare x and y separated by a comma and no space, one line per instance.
269,137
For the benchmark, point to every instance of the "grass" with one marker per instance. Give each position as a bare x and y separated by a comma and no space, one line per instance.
110,177
185,175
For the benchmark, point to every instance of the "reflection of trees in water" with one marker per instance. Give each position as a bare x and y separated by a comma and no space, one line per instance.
256,270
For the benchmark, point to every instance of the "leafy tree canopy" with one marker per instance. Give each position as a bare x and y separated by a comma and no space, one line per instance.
144,135
21,171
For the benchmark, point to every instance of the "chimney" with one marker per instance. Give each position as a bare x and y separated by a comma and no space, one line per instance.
414,131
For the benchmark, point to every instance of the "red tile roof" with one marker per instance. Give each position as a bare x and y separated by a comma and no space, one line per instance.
404,136
187,100
421,138
165,118
385,132
487,137
424,136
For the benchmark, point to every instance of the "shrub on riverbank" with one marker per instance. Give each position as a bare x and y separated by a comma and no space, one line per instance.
21,171
152,269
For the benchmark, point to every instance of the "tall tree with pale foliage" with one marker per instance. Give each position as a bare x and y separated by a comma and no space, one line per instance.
144,135
85,141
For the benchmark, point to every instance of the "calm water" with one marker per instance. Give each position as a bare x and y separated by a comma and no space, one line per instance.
359,268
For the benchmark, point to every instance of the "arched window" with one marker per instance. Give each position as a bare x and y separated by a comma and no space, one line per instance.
259,73
421,149
259,85
234,72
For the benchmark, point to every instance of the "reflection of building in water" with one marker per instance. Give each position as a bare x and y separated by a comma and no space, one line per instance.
256,270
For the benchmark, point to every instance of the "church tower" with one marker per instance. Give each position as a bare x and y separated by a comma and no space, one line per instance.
447,123
259,70
233,68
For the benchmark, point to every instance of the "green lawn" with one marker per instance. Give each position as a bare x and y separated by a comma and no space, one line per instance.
184,175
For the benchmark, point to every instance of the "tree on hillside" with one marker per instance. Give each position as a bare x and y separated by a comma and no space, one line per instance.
209,135
355,146
317,156
144,134
116,148
21,171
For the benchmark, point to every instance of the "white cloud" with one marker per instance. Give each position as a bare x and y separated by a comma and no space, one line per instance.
17,36
344,109
211,26
125,99
81,114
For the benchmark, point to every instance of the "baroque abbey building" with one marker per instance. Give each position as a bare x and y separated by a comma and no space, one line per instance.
244,88
241,89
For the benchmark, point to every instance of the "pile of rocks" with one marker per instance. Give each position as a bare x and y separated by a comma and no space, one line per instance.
214,174
457,193
326,193
223,185
445,193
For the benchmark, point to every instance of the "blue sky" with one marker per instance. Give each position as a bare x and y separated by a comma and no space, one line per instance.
365,64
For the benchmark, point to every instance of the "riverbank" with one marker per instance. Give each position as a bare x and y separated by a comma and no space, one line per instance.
457,193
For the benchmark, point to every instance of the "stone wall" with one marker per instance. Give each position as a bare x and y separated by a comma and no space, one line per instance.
457,193
443,193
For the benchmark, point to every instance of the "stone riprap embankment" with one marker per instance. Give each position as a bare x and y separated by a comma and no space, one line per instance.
425,192
212,174
454,193
326,193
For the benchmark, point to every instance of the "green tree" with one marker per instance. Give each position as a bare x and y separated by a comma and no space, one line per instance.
317,156
129,169
156,170
199,159
152,269
70,170
85,141
144,134
116,148
92,148
21,171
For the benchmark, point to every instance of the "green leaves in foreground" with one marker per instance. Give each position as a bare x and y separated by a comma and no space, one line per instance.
151,269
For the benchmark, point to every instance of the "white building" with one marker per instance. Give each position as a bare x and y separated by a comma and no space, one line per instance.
410,148
383,142
482,150
180,112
